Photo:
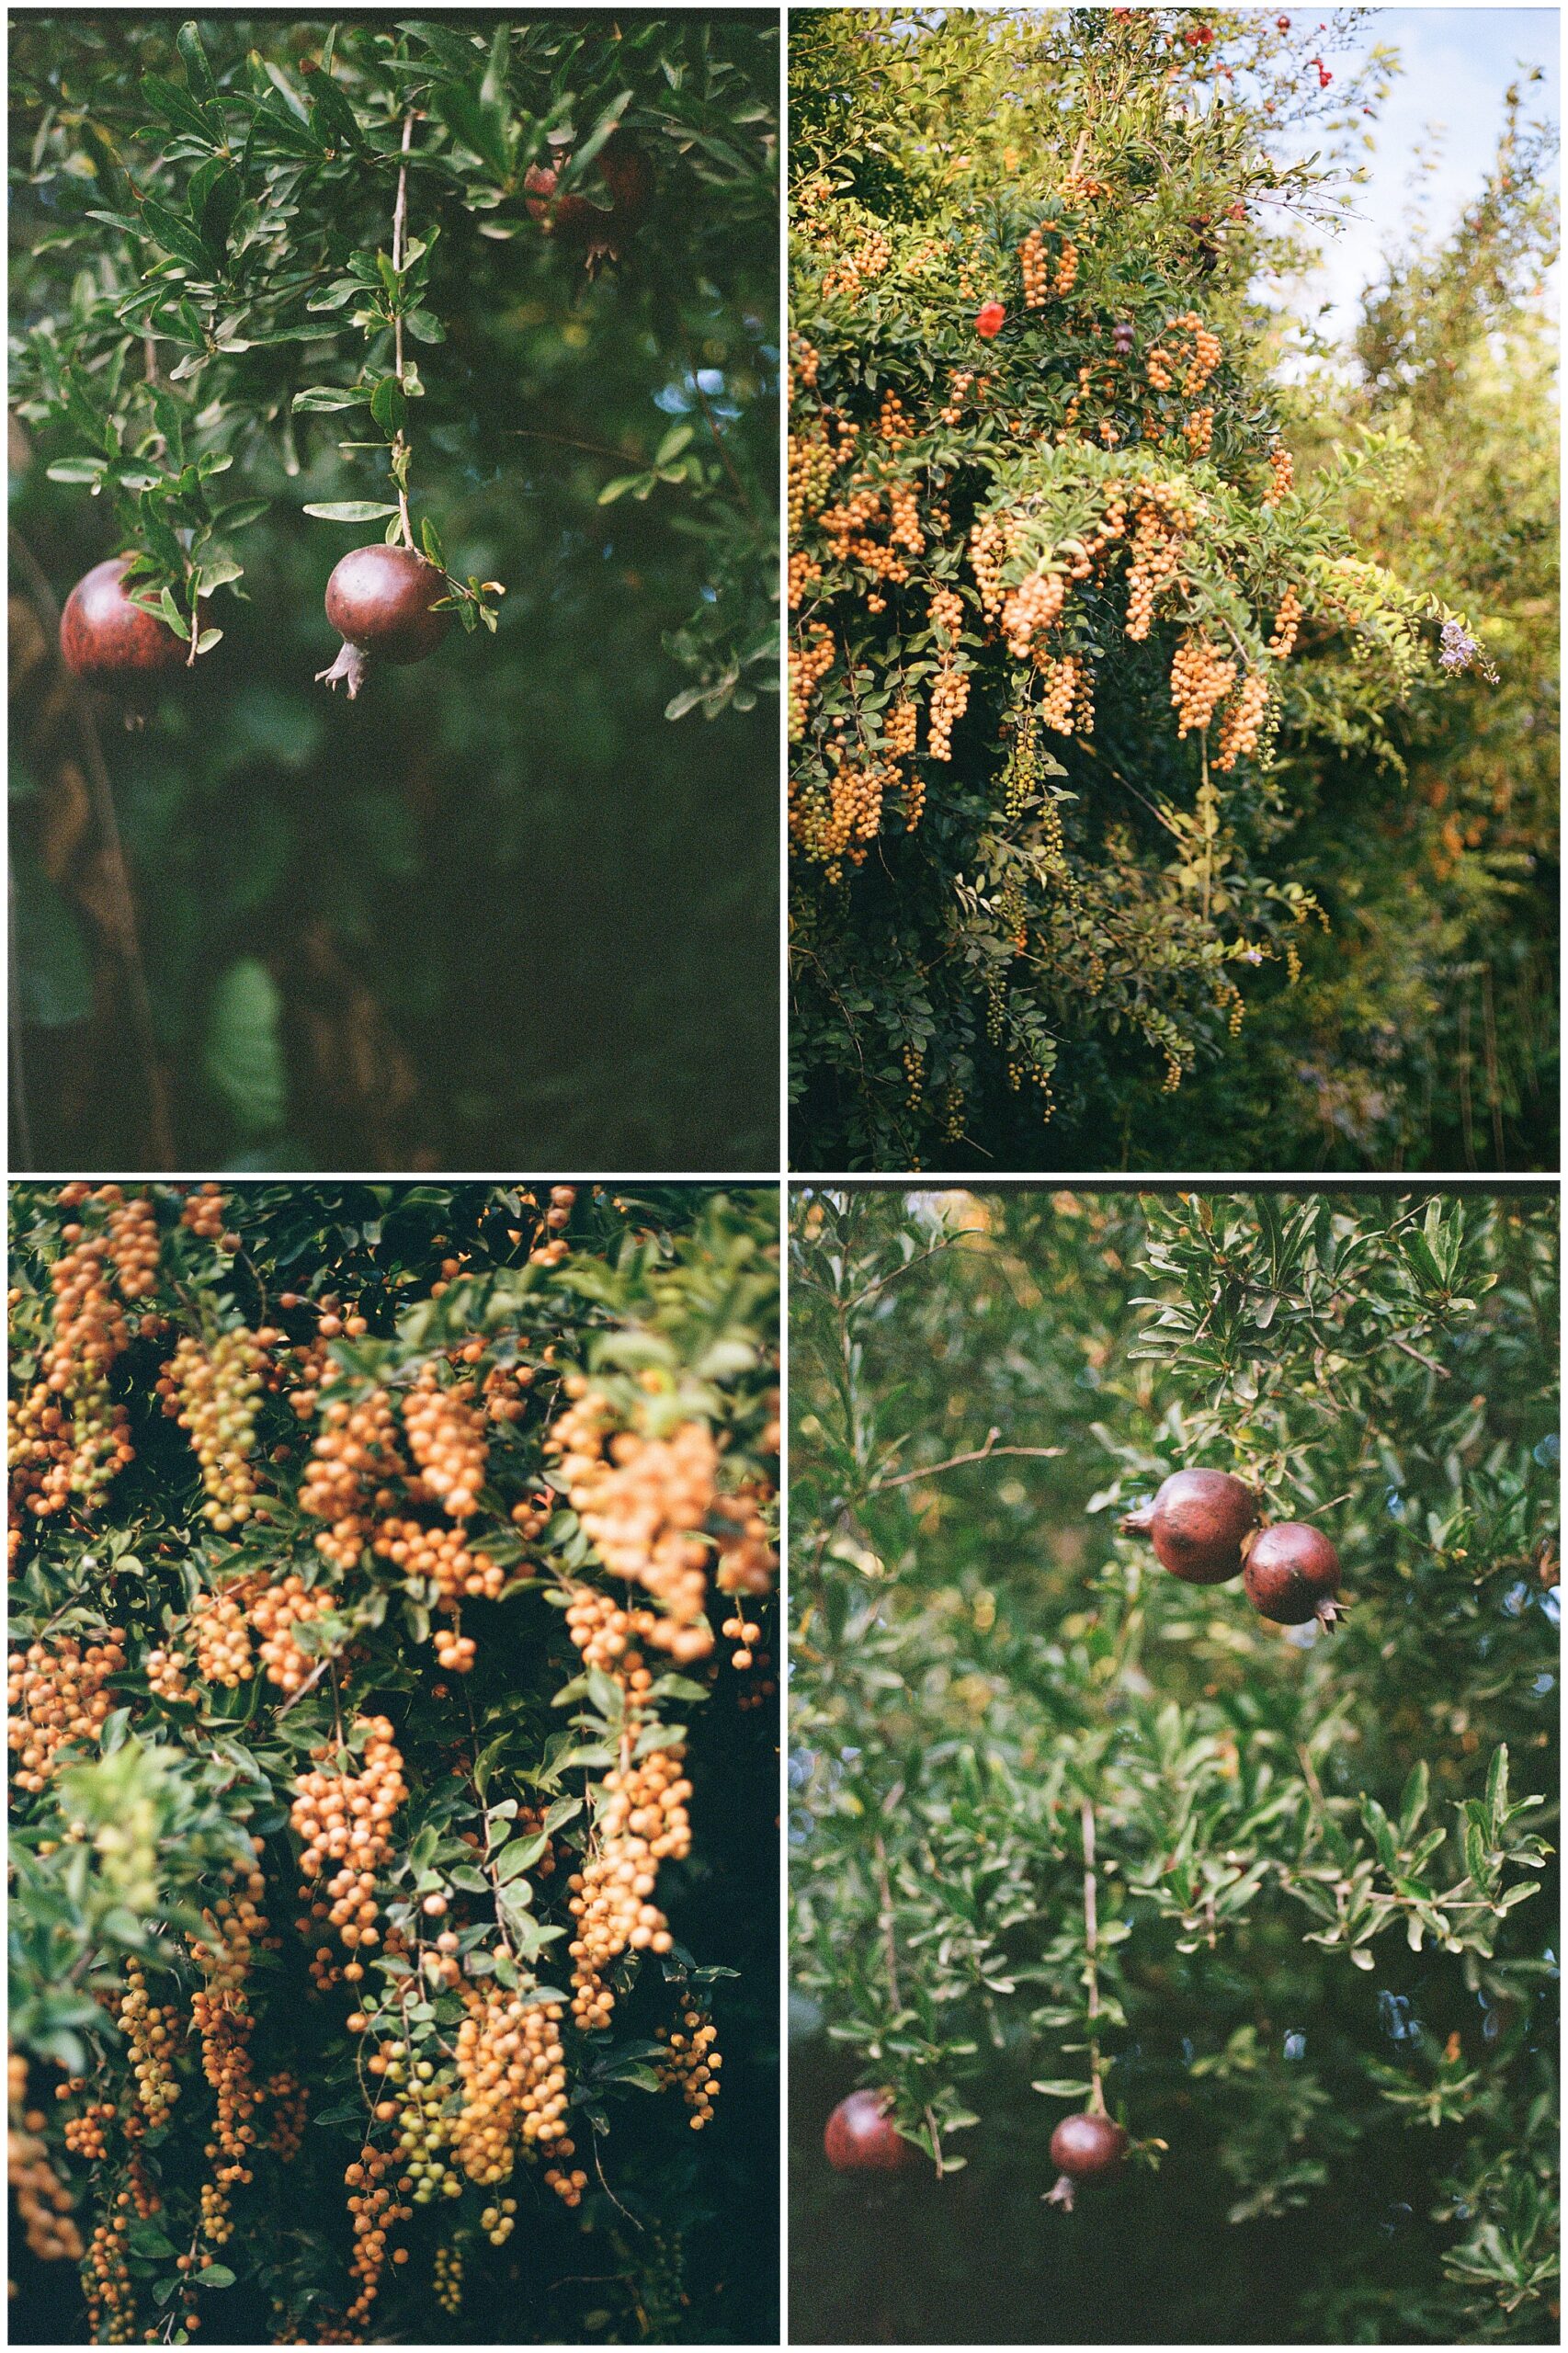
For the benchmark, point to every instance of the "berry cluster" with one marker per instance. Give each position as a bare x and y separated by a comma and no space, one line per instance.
644,1503
346,1818
1200,679
512,2072
642,1821
151,2034
275,1611
43,2202
212,1395
445,1437
55,1694
351,1460
375,2211
220,1630
693,2063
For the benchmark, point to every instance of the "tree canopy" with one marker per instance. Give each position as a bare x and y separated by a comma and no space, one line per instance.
273,285
1063,1823
1173,775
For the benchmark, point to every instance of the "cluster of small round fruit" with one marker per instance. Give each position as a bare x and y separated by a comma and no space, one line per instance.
275,1611
441,1555
375,2210
85,2133
1281,477
511,2067
43,2200
642,1821
345,1818
105,2283
1067,704
212,1395
203,1212
152,2033
644,1503
1287,626
811,659
352,1458
1200,679
692,2061
286,2097
447,1439
949,700
165,1671
55,1694
220,1631
1029,609
1241,724
448,2279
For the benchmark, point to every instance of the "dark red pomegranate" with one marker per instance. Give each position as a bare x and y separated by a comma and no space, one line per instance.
379,600
113,642
861,2137
1198,1524
1085,2148
1292,1574
570,218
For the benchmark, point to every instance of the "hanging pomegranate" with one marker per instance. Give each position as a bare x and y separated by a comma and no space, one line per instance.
381,601
1198,1524
861,2137
1085,2148
108,641
1292,1574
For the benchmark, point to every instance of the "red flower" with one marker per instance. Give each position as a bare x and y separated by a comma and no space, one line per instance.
988,320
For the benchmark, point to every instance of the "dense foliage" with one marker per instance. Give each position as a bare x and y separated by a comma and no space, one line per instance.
1301,1967
509,292
1118,648
393,1761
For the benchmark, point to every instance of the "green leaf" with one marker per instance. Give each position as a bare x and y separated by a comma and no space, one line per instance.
1413,1799
179,108
199,73
323,397
243,1058
178,237
216,2275
1497,1790
352,510
387,405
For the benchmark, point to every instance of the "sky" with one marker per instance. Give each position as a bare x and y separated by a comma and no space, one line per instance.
1455,64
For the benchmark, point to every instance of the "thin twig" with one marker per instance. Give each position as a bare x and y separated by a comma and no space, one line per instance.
101,795
981,1454
400,222
1091,1956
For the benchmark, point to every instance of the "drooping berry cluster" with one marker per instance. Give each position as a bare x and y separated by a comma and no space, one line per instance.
692,2061
213,1393
346,1818
55,1694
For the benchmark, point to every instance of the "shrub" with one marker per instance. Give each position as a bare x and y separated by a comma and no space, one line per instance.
391,1768
1076,643
1064,1826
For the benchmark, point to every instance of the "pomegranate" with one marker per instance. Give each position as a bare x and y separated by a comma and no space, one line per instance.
1085,2148
113,642
861,2137
1292,1574
1198,1524
379,600
571,219
988,320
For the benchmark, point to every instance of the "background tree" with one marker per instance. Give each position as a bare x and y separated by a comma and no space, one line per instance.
1107,675
1307,1977
394,1764
279,287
